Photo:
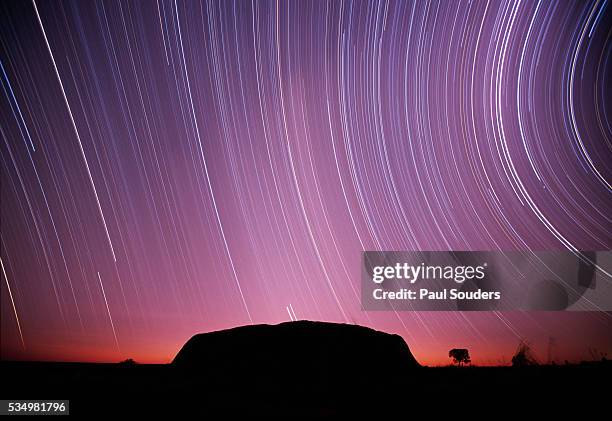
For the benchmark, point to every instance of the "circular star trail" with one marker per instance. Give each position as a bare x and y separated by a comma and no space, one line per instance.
172,167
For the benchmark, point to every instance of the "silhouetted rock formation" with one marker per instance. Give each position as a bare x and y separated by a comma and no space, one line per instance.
298,356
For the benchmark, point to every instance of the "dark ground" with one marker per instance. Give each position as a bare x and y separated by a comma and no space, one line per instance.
311,370
148,388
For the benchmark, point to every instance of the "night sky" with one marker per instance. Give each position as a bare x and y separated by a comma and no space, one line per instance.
175,167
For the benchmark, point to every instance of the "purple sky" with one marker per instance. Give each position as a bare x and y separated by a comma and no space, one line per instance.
179,167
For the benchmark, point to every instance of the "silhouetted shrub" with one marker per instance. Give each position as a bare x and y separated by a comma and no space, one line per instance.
523,356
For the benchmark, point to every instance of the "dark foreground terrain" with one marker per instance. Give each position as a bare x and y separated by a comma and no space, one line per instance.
317,370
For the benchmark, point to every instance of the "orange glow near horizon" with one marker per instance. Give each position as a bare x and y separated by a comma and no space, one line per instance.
576,347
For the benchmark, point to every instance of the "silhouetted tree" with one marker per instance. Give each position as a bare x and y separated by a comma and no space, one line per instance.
460,356
523,356
128,362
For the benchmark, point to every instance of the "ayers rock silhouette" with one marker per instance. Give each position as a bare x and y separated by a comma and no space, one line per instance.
300,355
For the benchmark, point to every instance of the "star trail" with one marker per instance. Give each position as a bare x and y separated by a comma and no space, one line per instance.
173,167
